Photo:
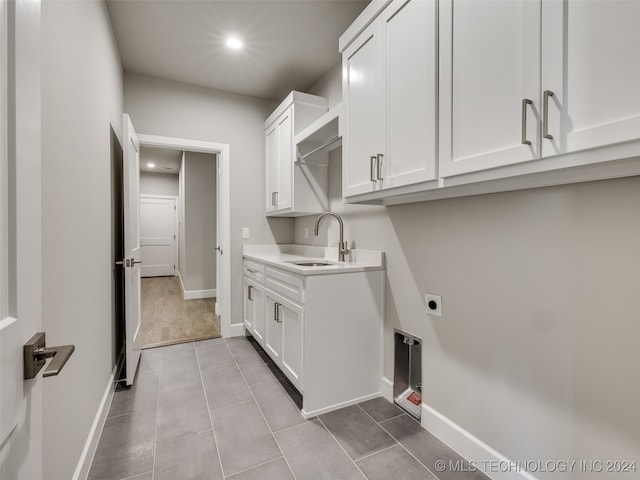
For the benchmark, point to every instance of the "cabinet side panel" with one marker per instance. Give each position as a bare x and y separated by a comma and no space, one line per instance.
342,338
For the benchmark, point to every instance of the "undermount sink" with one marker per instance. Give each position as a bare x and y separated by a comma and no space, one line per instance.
312,263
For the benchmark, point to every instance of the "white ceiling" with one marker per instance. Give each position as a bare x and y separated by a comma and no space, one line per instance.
165,160
289,45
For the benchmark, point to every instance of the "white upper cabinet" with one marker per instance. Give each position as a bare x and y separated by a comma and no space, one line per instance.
490,66
511,94
363,110
293,189
489,84
409,78
389,98
591,66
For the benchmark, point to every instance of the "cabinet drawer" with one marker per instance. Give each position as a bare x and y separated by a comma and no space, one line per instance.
253,270
285,284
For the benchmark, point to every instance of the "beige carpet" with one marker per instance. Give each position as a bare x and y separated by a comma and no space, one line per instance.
168,319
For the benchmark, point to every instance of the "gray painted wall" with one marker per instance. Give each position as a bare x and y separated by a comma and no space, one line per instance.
158,184
81,97
536,353
160,107
200,222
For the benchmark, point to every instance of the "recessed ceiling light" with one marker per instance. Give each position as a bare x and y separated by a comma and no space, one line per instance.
151,165
233,43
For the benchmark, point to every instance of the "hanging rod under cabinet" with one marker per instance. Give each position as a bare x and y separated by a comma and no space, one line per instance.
302,158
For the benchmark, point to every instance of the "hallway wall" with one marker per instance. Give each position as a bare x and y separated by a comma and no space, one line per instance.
199,269
158,184
161,107
82,97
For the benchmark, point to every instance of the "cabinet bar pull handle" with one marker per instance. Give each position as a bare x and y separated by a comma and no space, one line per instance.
276,312
274,199
372,174
545,115
250,293
379,166
525,102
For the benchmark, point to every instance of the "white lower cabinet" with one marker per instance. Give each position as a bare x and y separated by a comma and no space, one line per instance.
322,331
284,321
254,310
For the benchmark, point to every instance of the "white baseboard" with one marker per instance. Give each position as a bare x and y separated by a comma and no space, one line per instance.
90,446
338,406
193,294
238,330
386,387
495,465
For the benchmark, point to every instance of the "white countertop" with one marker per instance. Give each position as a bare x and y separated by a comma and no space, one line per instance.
280,256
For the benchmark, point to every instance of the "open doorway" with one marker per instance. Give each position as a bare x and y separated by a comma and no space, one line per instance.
178,239
197,282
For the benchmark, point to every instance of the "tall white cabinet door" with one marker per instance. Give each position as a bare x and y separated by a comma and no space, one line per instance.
273,167
590,64
286,150
291,316
409,75
363,101
489,64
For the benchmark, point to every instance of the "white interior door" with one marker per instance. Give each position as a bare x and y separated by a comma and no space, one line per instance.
158,236
132,249
20,241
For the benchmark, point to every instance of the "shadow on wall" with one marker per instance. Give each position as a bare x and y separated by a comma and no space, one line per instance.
539,326
281,229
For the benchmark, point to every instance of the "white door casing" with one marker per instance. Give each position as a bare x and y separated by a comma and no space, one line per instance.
158,234
132,249
20,238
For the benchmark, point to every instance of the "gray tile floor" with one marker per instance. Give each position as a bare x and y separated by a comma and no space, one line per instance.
212,410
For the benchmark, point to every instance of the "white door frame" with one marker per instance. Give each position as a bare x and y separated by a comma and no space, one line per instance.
223,296
176,221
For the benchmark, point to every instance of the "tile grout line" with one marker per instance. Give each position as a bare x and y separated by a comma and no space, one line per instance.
398,441
251,468
377,452
206,401
155,433
186,435
262,414
138,475
341,447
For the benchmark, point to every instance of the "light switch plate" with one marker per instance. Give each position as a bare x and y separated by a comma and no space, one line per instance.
433,304
245,232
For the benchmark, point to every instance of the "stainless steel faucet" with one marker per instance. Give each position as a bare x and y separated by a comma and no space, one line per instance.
342,245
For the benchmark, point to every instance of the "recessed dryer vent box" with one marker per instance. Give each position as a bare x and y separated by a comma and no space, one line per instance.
407,377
